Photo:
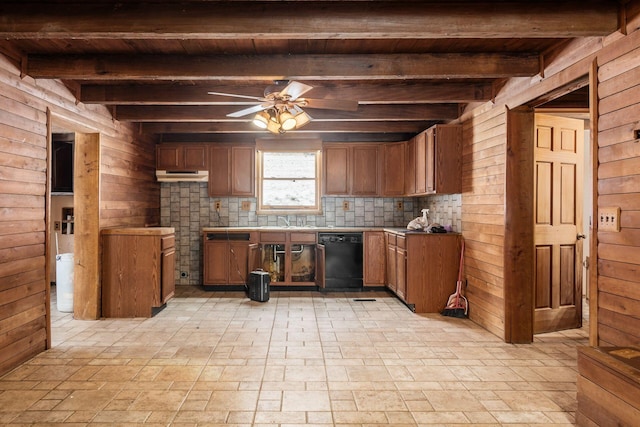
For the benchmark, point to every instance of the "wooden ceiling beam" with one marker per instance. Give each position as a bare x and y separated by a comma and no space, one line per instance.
364,93
306,19
314,126
199,113
277,67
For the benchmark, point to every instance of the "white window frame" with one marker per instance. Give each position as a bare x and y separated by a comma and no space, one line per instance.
293,209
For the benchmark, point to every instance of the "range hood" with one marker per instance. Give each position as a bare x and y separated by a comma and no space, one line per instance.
182,176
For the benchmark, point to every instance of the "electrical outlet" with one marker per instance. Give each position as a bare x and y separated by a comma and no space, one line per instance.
217,205
345,205
609,219
246,205
399,205
56,225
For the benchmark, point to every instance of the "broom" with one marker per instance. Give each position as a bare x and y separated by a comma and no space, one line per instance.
457,305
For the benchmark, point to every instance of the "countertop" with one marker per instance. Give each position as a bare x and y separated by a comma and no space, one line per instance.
140,231
397,230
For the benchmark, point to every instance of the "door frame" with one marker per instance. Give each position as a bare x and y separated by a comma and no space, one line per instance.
86,253
519,274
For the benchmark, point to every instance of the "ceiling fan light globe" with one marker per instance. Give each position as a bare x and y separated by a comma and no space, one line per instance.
302,119
261,120
287,121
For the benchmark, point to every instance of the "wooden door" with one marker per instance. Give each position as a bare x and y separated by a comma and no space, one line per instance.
374,258
557,223
430,161
195,157
167,279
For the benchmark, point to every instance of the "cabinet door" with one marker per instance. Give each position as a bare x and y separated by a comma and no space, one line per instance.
219,168
195,157
365,167
243,171
374,258
420,154
168,157
320,265
238,262
410,166
336,170
401,273
216,263
448,159
168,281
430,156
394,169
391,267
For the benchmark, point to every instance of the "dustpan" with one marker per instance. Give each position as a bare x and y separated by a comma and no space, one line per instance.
457,304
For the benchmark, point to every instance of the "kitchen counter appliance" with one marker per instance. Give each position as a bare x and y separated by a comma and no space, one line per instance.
343,260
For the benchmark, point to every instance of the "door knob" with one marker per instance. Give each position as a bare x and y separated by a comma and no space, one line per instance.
581,236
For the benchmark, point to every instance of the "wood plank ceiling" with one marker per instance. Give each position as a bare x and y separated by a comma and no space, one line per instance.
409,64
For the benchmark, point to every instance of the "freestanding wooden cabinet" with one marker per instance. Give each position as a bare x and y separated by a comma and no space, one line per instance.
137,270
422,268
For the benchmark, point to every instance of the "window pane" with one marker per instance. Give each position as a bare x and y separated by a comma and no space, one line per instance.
289,192
289,165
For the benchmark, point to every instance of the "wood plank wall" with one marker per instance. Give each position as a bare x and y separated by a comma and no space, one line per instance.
130,197
619,185
483,188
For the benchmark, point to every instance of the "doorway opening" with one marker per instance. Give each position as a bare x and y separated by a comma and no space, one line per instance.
548,215
73,219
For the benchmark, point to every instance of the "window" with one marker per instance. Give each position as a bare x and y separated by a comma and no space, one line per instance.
288,181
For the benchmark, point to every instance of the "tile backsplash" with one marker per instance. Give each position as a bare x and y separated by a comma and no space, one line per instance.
187,207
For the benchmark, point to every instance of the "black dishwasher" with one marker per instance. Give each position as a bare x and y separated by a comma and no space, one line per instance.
343,260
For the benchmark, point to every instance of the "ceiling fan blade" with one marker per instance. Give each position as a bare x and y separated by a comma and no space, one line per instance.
294,89
331,104
254,109
256,98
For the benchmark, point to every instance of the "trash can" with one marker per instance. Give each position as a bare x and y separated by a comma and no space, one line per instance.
64,282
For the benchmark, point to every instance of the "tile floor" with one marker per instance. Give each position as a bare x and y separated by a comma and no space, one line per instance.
302,358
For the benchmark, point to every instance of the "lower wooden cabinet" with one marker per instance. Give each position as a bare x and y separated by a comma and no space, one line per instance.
138,270
422,269
226,258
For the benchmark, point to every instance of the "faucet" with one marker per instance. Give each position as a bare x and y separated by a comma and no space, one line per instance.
286,221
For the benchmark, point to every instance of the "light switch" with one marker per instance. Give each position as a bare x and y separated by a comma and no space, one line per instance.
609,219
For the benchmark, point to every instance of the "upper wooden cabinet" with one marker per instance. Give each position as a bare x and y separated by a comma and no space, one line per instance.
181,157
434,161
351,169
393,172
232,170
443,154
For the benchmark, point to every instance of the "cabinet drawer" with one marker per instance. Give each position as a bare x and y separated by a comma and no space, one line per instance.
391,239
273,237
167,242
401,242
303,237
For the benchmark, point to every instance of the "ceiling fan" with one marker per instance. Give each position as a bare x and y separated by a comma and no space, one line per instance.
280,109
